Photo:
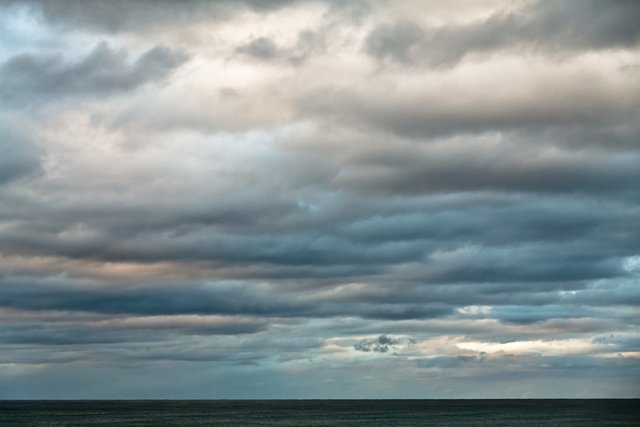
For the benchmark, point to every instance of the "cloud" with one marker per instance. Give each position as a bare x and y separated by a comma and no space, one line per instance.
197,299
307,45
541,26
139,15
381,344
497,167
19,156
27,78
386,200
261,48
122,330
538,96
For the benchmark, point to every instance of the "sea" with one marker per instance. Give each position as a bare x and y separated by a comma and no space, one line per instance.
521,412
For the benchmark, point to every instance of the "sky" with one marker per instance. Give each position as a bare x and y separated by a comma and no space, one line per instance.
319,199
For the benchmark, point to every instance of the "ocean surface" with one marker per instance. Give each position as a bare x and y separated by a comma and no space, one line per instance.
322,413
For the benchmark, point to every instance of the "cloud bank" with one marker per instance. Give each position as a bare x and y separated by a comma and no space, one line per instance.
319,199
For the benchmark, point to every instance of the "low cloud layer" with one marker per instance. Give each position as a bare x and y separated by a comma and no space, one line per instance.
319,199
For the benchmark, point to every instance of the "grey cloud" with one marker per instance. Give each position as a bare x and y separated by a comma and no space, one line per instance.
264,49
381,344
138,347
565,237
569,140
151,300
121,330
451,362
531,219
617,136
493,169
559,105
27,78
489,329
139,15
525,363
506,301
260,48
19,156
394,41
546,26
197,298
540,262
201,229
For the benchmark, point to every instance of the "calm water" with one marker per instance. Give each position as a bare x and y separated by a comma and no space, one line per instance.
323,413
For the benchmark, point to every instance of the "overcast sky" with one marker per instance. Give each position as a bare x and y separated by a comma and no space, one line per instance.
319,199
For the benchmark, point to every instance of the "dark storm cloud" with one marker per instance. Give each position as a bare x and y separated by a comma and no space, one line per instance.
543,26
29,77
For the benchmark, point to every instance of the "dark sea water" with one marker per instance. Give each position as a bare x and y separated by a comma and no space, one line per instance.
322,413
